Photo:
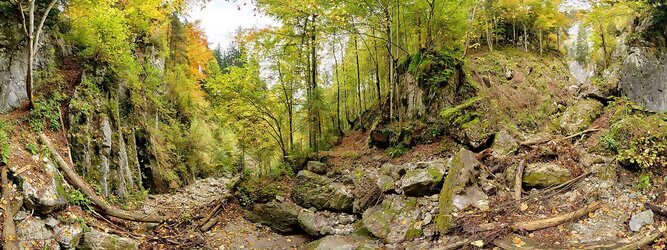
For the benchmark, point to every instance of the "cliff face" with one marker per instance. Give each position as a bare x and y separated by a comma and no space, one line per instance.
644,78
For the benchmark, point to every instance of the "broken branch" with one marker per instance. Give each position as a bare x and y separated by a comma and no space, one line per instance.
656,209
555,221
518,181
100,204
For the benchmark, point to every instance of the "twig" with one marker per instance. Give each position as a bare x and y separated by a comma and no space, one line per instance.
518,180
557,220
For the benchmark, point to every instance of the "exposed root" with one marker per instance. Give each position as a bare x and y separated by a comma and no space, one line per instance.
100,204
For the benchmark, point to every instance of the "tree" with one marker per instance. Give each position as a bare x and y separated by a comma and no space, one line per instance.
32,34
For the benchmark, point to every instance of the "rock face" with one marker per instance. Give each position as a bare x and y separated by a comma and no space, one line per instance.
366,192
580,115
33,234
396,220
313,190
96,240
422,179
283,217
468,190
641,219
326,223
644,79
42,189
352,242
540,175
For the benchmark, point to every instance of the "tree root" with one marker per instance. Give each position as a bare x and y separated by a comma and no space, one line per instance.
557,220
100,204
10,238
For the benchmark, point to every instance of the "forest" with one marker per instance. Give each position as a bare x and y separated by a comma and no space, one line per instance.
345,124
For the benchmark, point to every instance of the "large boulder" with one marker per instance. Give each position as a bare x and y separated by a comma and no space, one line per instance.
352,242
423,178
97,240
281,216
644,79
313,190
540,175
396,220
42,188
33,234
326,223
504,144
366,192
316,167
68,236
580,115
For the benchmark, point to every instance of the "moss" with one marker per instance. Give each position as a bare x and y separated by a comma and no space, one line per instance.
460,114
413,233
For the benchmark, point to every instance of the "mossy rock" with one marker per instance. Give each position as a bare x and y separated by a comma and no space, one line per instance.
424,179
541,175
281,216
259,190
580,115
395,220
97,240
313,190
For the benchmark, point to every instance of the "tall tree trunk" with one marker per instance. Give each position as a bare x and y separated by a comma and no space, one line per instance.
604,43
525,38
356,54
540,41
313,74
489,37
340,129
470,20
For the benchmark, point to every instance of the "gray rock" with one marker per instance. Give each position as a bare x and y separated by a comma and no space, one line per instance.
644,79
468,189
352,242
326,223
541,175
317,167
580,115
33,234
312,190
282,217
509,75
641,219
504,144
366,192
423,179
68,236
396,220
386,183
42,190
97,240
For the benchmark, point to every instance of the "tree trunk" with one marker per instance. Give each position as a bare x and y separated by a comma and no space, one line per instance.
525,38
604,43
340,129
470,20
356,54
540,41
313,74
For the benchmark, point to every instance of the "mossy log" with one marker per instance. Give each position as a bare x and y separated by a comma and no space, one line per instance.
100,204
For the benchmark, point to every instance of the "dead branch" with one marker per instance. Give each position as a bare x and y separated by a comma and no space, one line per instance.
529,143
656,209
10,238
100,204
518,181
508,242
557,220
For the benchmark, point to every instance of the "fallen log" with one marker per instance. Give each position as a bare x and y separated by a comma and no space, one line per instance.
656,209
529,143
99,203
10,238
514,241
554,221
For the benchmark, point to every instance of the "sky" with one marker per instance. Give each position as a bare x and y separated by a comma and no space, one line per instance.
220,19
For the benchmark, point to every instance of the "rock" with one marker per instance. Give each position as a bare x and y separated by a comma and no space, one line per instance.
643,77
33,234
468,190
317,167
312,190
97,240
541,175
386,183
68,236
42,189
423,179
504,144
366,192
509,75
396,220
352,242
282,217
379,137
580,115
641,219
326,223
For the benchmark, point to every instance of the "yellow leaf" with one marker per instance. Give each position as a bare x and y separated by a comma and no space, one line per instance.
523,206
518,242
477,243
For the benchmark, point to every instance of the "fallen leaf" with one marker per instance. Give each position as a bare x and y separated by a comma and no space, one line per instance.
478,243
523,206
518,242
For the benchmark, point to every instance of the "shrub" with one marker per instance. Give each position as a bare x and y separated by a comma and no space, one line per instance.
397,151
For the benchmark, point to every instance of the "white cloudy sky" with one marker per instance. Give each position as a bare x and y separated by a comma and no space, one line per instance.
220,19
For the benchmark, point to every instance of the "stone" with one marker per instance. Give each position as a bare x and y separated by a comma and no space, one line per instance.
366,192
386,183
580,115
97,240
324,223
282,217
643,78
638,220
509,75
42,189
504,144
542,175
352,242
316,167
423,179
313,190
68,236
395,220
33,234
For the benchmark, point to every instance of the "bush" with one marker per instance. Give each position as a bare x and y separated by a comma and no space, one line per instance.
397,151
45,113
